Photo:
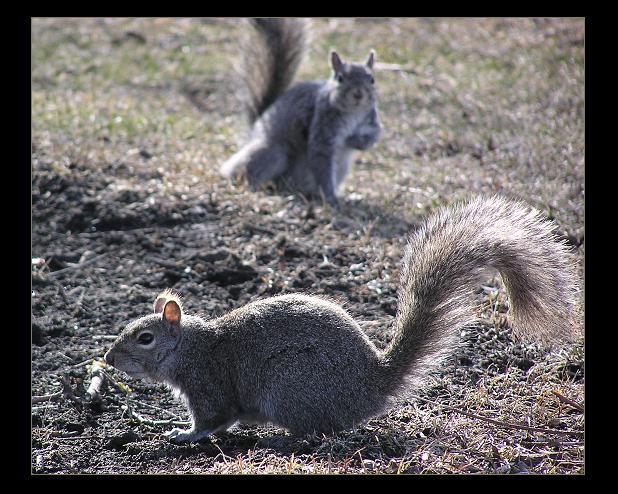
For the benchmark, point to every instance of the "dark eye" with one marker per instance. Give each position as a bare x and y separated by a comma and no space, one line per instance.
339,78
372,80
145,338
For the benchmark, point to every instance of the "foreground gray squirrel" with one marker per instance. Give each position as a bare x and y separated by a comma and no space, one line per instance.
302,363
302,138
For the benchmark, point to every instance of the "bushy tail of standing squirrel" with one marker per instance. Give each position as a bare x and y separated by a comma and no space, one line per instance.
303,363
270,61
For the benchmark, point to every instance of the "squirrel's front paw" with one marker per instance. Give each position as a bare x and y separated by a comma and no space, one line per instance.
179,436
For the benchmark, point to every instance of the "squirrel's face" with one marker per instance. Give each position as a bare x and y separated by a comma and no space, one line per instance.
143,346
354,84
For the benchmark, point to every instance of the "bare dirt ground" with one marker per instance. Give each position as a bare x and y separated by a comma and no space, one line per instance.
130,120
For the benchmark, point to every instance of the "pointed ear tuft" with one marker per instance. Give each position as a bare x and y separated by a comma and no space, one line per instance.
371,59
159,304
163,297
335,61
172,313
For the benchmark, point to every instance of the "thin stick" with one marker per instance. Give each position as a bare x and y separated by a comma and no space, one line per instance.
81,364
143,420
78,304
44,407
53,274
122,387
500,423
569,401
159,409
167,264
44,398
553,441
222,454
94,390
71,438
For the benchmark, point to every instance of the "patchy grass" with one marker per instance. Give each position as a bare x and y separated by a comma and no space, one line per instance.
130,120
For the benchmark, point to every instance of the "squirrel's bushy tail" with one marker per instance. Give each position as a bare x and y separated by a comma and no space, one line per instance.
441,269
270,61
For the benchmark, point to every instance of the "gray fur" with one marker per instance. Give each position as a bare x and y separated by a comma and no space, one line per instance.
302,138
270,61
301,362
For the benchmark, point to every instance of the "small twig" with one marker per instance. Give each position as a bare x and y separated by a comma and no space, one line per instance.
44,398
61,291
120,386
98,379
76,266
552,442
78,304
128,407
70,438
500,423
143,420
224,456
44,279
158,409
569,401
44,407
81,364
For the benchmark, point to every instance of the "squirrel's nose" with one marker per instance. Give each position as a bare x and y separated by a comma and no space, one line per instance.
109,358
358,94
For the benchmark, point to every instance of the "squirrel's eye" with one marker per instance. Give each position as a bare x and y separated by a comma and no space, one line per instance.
372,80
145,338
339,78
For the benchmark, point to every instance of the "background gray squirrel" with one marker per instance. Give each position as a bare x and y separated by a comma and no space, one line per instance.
302,138
303,363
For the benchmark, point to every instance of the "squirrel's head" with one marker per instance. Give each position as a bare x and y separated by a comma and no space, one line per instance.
144,345
353,83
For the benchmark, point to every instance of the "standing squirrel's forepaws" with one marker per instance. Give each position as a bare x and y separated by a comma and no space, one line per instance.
179,436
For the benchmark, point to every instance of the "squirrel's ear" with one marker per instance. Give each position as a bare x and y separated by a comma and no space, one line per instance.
371,59
335,61
159,304
172,312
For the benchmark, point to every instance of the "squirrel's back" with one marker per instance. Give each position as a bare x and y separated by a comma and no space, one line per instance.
316,366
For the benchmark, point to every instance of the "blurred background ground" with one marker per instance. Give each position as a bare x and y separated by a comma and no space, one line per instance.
130,120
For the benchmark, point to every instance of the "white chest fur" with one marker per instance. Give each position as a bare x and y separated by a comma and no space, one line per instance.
343,155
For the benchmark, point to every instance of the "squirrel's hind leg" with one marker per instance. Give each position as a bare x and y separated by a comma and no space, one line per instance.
257,162
236,166
266,164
